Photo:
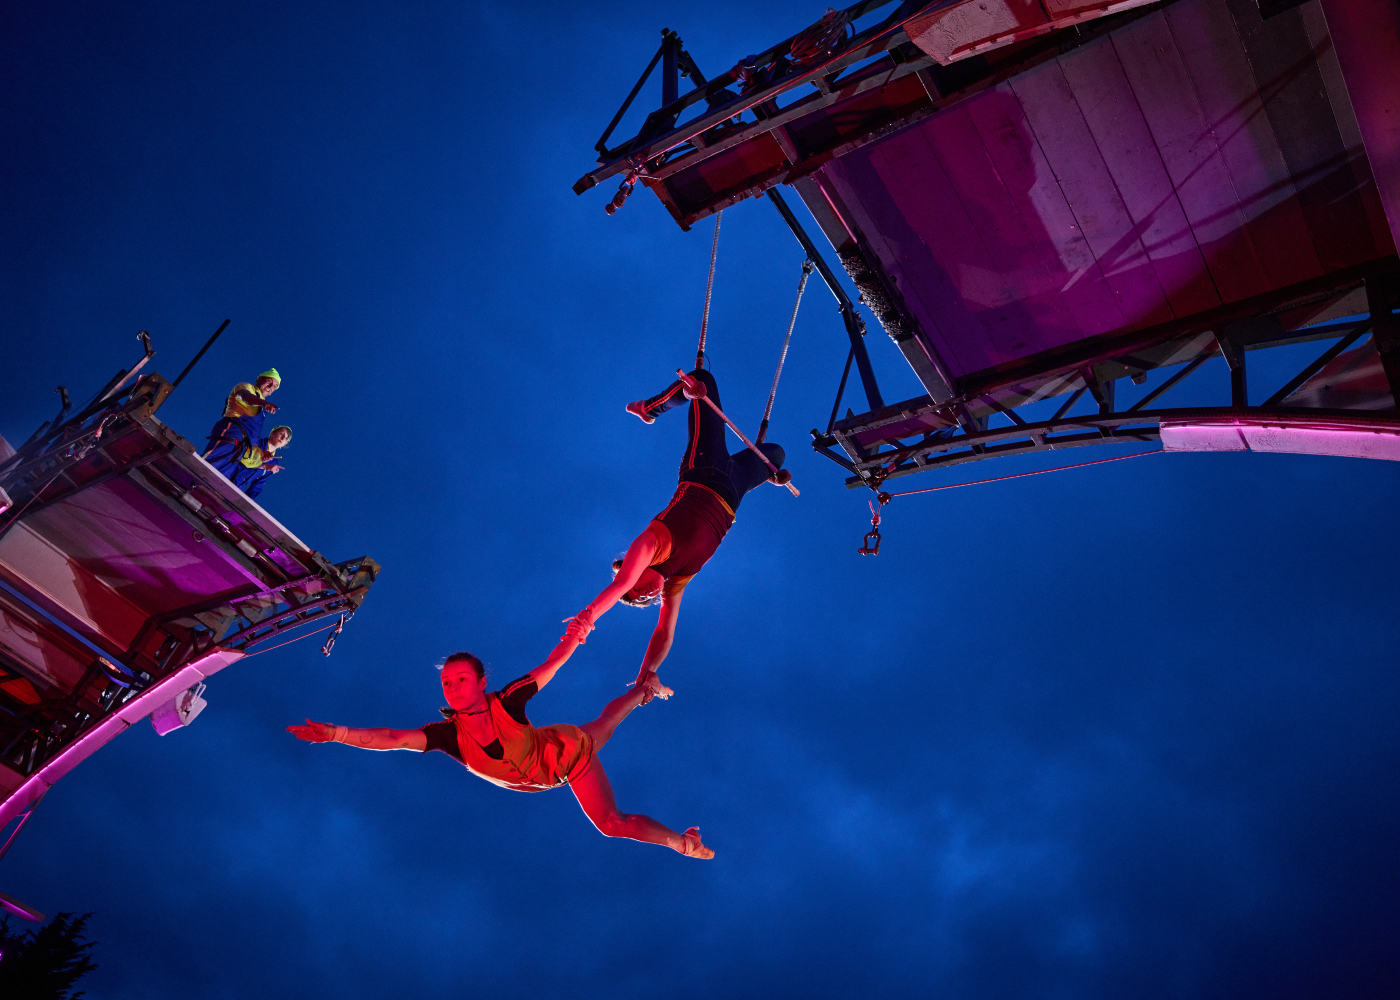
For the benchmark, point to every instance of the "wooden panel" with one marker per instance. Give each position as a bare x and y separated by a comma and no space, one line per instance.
1210,48
1084,179
1111,111
1079,10
927,290
1159,80
1022,167
930,203
949,33
1386,147
1000,266
739,168
1295,100
37,563
30,648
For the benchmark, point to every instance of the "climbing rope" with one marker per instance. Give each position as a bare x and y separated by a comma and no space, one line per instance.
709,290
807,267
883,498
695,390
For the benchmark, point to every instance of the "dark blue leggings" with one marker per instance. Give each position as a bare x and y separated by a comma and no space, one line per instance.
707,460
229,439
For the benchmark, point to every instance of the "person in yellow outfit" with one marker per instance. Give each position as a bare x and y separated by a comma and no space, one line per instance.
241,426
259,462
491,735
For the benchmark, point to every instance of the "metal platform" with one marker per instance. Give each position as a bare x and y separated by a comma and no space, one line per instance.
131,571
1039,200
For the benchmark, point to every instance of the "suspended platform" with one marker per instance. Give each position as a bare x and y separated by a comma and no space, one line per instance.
1038,200
130,572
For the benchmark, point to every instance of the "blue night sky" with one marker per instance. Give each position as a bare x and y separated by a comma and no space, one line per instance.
1130,730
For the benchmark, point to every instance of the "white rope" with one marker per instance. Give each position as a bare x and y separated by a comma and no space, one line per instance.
709,290
807,266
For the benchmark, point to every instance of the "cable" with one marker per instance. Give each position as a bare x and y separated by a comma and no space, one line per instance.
807,266
297,639
1019,475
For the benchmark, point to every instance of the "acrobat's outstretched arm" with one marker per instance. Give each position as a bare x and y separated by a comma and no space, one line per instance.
638,558
365,739
663,635
545,672
253,399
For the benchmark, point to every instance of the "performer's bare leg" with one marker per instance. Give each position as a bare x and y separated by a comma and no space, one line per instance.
594,791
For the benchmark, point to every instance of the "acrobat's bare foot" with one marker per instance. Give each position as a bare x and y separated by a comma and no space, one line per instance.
652,687
639,409
693,848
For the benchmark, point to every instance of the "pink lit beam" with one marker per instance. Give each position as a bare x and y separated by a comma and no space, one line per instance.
109,728
19,909
1295,436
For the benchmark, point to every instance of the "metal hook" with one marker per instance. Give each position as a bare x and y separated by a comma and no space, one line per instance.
871,543
330,639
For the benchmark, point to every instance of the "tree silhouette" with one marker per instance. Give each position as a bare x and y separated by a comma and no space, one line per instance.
44,964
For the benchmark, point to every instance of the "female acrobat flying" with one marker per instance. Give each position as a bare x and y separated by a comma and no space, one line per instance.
681,539
491,735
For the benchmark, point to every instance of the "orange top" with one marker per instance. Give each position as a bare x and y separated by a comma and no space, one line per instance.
533,759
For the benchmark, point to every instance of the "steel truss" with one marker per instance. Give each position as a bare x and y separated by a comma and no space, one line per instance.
661,146
116,435
879,59
920,435
772,120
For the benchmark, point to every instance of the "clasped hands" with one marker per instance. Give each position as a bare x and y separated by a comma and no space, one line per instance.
578,627
651,686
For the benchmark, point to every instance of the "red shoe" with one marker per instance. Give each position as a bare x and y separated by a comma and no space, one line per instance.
639,409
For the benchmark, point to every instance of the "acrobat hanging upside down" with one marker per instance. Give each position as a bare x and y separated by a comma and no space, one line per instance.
681,539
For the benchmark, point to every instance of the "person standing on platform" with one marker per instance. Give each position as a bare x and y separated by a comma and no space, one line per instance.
259,463
241,426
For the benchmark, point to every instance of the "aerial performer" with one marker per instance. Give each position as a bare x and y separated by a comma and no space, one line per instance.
259,462
682,538
491,735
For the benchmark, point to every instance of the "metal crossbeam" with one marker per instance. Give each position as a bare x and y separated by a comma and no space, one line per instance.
1317,365
855,327
870,42
870,466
